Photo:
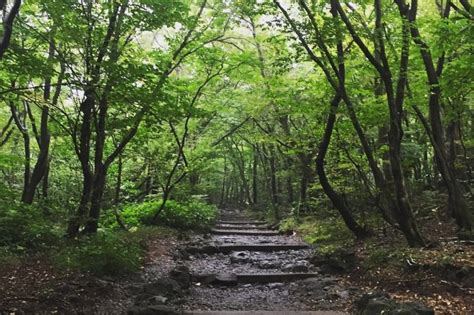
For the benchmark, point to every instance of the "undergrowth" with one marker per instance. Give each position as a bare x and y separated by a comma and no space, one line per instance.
327,233
193,214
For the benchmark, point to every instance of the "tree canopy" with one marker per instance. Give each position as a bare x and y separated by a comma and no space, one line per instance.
283,106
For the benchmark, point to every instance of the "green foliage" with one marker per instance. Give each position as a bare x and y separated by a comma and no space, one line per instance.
8,257
193,214
103,254
328,233
378,256
26,227
190,215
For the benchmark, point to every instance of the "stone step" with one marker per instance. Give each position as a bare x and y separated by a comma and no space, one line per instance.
248,222
226,249
231,279
243,232
263,313
274,277
241,227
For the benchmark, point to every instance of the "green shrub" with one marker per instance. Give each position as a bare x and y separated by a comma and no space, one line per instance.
103,254
192,214
25,227
8,257
326,232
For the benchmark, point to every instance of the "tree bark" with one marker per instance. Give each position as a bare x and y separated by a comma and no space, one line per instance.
8,27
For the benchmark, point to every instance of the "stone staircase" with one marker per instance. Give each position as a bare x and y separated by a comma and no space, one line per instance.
244,253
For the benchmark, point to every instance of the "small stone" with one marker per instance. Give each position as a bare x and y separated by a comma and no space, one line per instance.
266,264
343,294
299,266
240,257
275,285
158,300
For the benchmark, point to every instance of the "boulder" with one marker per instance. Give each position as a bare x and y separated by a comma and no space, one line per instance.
380,303
182,276
339,261
163,287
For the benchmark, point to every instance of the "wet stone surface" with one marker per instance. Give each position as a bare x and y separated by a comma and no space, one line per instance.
297,295
253,262
259,239
206,293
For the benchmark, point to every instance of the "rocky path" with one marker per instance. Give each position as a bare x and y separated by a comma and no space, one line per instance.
245,267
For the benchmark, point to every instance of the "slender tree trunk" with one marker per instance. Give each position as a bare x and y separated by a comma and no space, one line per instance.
255,178
305,178
83,152
118,183
224,191
338,202
97,195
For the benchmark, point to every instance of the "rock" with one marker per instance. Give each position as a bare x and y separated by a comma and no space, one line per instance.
311,287
182,276
343,294
181,254
152,310
267,264
361,303
339,261
240,257
204,279
275,285
158,300
412,308
299,266
227,279
378,303
163,287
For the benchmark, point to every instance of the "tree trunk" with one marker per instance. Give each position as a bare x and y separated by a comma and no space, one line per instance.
338,202
118,183
457,202
254,178
83,153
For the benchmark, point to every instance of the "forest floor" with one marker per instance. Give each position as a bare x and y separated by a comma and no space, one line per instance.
440,276
35,284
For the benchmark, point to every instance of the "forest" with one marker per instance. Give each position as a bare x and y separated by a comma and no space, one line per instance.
133,130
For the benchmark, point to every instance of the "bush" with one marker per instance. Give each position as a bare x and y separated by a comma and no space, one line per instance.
193,214
25,227
103,254
329,233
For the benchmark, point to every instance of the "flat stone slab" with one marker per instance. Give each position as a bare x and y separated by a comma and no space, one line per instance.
243,232
242,247
230,279
242,222
263,313
240,227
274,277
